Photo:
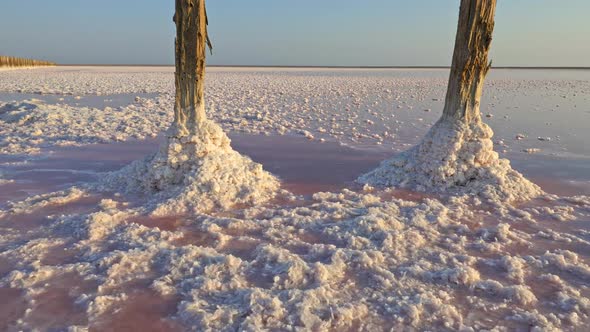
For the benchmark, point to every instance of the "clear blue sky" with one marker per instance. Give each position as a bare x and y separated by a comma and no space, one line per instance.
293,32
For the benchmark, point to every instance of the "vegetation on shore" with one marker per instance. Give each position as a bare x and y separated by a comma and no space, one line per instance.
10,62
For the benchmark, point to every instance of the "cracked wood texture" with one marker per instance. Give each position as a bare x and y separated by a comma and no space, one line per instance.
470,60
191,43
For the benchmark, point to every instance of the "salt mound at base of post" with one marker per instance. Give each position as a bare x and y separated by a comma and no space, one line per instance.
455,158
195,174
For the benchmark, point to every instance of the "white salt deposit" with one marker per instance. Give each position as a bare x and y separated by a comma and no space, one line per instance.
455,157
348,260
345,260
195,174
28,126
268,101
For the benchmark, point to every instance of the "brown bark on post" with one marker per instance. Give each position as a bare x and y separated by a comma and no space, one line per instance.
196,170
470,60
457,154
191,43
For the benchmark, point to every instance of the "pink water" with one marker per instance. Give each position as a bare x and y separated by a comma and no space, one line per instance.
305,167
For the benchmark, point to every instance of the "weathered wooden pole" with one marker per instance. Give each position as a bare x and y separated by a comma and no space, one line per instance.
457,154
470,60
191,43
195,170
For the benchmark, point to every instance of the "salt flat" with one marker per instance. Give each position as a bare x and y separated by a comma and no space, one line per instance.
327,254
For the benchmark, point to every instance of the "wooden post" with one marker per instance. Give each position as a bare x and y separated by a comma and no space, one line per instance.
191,43
470,60
457,154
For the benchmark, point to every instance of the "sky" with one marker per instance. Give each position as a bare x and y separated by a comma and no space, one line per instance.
293,32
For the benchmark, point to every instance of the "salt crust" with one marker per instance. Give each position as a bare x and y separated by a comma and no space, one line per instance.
455,158
348,260
34,203
345,260
28,126
348,106
195,174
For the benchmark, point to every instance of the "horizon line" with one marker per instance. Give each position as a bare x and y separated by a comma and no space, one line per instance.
326,67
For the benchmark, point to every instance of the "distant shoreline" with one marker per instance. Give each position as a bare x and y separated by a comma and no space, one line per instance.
324,67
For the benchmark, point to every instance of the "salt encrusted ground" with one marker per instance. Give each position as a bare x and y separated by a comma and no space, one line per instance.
458,159
355,107
356,259
28,126
195,174
350,260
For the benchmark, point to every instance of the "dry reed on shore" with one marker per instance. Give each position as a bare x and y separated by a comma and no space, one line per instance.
11,62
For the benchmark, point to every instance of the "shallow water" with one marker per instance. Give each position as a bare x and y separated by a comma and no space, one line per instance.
305,167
